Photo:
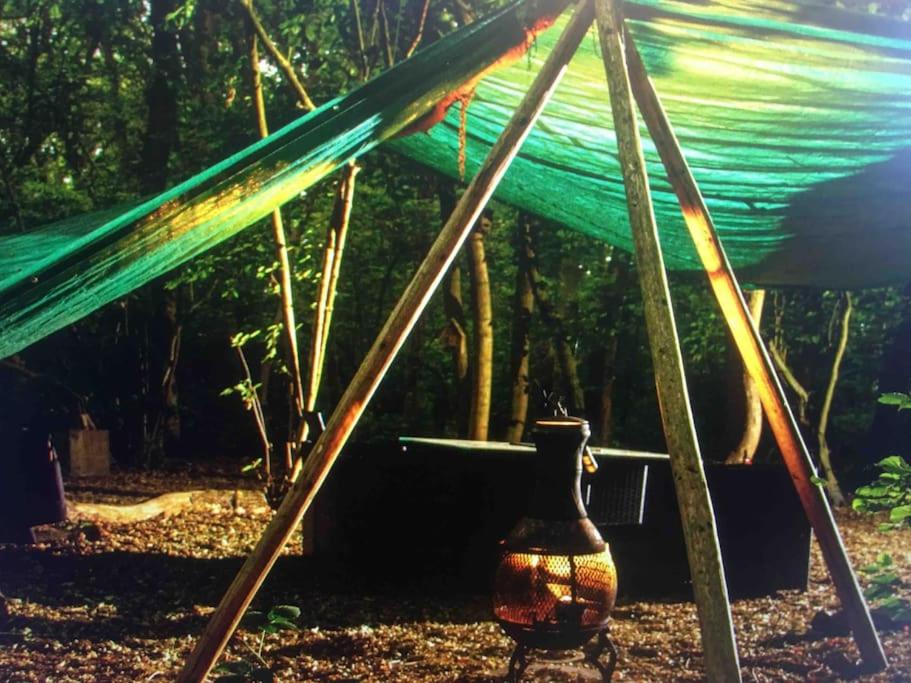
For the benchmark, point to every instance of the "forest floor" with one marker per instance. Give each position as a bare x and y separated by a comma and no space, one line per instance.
125,602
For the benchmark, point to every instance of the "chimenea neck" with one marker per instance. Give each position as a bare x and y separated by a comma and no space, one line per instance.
559,442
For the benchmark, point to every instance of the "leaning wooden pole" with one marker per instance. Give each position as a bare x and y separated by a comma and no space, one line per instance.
757,362
703,551
379,358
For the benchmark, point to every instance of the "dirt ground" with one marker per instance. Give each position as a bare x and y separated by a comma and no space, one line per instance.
125,602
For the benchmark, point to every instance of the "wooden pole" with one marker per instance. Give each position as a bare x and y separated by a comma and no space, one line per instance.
756,361
379,358
703,551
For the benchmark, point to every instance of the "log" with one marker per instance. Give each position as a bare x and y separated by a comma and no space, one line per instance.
165,505
701,536
756,361
400,322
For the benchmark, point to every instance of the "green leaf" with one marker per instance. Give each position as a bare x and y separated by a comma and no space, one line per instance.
253,620
285,611
819,481
872,492
900,513
899,399
250,466
887,579
884,560
893,602
895,464
877,592
281,624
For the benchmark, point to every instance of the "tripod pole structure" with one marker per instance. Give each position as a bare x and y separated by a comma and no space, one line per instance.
380,356
756,360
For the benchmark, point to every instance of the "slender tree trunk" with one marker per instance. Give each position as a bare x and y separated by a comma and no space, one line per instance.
160,139
618,275
170,419
161,99
479,418
784,370
608,380
289,325
890,431
564,352
745,450
825,459
454,335
523,306
336,236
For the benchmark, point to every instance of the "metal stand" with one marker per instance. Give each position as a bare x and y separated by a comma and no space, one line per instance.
593,656
519,661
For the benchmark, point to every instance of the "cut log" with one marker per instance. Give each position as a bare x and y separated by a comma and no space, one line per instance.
166,505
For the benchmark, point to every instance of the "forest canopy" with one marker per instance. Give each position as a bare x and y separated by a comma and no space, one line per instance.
102,103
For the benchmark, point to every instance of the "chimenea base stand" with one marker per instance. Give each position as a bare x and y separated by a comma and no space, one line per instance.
519,661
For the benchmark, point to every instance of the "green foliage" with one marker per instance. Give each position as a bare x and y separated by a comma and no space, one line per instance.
890,491
882,589
279,618
898,399
74,114
892,488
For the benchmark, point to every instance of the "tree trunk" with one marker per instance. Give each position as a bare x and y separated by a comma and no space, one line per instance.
454,335
336,235
890,431
825,460
523,306
161,99
575,396
479,417
281,246
616,292
745,450
169,394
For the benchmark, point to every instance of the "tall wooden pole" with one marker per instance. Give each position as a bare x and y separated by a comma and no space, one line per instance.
400,322
703,551
756,361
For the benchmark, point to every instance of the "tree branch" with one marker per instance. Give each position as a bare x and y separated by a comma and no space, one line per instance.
287,68
420,33
803,396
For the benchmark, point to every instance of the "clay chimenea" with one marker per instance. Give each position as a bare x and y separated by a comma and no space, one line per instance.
556,584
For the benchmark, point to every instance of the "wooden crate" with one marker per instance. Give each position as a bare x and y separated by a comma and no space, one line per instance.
86,452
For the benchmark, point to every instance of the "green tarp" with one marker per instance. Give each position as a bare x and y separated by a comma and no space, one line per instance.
797,131
796,120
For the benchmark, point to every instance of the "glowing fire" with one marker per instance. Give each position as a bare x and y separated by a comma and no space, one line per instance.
577,590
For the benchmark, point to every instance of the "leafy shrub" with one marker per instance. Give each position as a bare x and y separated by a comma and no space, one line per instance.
884,583
892,489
